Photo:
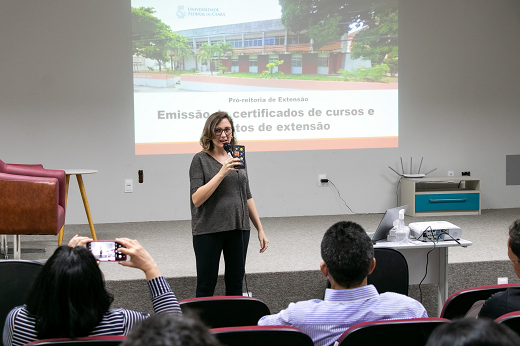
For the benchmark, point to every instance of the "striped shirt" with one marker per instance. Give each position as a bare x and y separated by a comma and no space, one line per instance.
19,328
325,320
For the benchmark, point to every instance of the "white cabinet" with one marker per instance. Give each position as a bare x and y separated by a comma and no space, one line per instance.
438,196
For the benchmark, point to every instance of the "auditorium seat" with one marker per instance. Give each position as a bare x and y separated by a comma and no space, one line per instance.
391,271
409,332
17,277
33,201
458,304
227,311
512,320
106,340
262,336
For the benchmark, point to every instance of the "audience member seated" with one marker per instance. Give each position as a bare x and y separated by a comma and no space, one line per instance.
507,301
473,332
171,330
348,258
68,299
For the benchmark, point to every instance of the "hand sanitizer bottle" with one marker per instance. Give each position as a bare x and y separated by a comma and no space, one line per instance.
401,235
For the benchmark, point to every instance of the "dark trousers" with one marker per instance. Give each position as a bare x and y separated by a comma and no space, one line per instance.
208,248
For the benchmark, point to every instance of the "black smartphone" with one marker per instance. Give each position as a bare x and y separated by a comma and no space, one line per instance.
106,250
239,152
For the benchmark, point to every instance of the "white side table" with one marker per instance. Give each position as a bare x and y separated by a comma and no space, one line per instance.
78,173
416,254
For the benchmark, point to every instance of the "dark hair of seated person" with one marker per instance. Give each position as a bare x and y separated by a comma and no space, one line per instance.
171,330
473,332
514,238
348,252
68,298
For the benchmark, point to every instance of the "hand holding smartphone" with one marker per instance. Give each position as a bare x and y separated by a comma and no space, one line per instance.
239,152
106,250
139,258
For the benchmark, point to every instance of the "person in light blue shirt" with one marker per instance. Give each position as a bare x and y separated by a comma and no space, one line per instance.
348,258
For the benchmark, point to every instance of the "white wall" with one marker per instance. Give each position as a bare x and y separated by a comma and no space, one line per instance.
66,102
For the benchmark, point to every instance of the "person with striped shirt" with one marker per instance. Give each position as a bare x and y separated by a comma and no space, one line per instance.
68,298
348,258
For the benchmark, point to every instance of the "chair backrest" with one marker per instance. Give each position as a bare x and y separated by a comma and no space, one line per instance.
16,278
37,170
106,340
411,332
33,200
262,336
512,320
227,311
390,273
458,304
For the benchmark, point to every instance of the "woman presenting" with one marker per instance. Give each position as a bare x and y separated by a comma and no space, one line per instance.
221,206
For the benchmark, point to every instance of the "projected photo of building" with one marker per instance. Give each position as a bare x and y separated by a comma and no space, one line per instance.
262,55
255,44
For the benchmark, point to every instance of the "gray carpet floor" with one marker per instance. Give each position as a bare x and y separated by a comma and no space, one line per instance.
288,270
294,241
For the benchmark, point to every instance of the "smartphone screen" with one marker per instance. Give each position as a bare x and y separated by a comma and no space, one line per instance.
239,152
106,250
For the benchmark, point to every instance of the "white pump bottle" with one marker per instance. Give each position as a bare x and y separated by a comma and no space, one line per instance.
401,235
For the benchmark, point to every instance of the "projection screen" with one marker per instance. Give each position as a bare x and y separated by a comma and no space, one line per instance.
293,74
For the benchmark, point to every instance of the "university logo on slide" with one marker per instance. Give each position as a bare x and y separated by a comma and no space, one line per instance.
180,12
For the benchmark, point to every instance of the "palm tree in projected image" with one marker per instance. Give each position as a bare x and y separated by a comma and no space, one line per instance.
178,50
207,52
227,50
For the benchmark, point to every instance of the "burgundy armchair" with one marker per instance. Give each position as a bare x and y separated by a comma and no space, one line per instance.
32,201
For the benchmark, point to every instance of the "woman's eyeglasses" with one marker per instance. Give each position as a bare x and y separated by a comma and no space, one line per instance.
218,131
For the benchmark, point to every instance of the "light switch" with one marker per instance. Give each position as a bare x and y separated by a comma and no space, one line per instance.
129,185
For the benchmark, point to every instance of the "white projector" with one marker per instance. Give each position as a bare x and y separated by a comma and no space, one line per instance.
435,231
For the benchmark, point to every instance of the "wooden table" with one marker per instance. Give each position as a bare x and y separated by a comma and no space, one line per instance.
78,173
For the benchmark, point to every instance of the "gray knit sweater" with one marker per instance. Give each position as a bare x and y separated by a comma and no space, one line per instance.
226,209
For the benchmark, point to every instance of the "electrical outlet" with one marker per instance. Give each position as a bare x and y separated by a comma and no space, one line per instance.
322,176
451,173
129,185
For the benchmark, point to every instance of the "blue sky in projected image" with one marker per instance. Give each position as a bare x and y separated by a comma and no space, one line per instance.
234,12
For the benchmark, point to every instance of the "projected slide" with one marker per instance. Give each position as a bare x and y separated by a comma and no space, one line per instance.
291,76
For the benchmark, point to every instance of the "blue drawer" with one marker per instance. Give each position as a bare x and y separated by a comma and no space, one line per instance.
459,201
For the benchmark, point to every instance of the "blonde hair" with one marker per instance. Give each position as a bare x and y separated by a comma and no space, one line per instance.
206,140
